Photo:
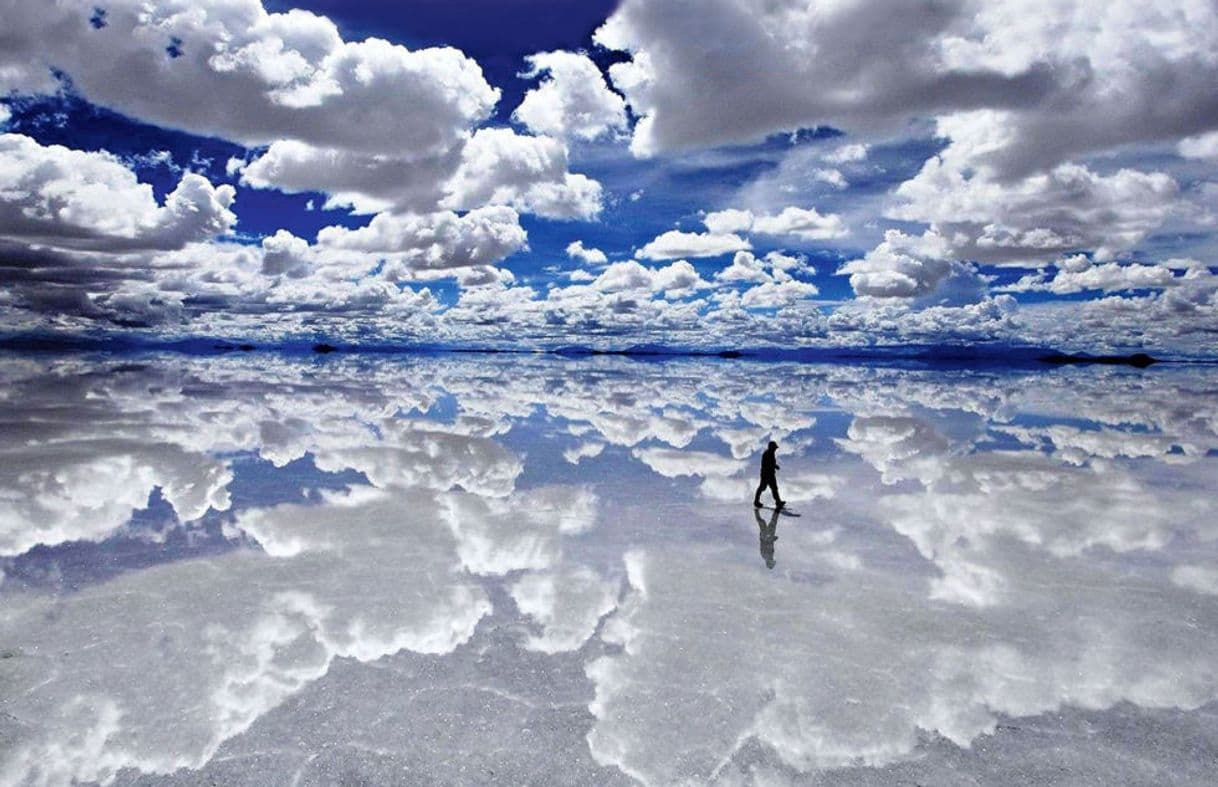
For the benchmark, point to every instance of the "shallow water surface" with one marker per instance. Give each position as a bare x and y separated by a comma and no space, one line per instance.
508,569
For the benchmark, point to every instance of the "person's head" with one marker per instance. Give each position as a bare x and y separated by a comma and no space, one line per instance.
773,446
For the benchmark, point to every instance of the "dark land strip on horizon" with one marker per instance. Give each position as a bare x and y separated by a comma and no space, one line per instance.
947,355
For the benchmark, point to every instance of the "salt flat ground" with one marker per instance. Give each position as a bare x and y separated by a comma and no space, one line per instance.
264,569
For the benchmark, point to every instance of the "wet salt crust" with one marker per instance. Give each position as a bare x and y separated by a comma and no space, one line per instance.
477,570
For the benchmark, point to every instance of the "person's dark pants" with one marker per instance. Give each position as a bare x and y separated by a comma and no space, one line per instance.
772,483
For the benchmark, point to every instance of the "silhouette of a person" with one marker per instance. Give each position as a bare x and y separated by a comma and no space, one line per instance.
768,477
767,535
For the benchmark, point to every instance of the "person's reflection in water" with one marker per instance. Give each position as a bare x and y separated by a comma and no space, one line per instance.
768,535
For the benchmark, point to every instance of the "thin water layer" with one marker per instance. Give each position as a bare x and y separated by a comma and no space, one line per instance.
506,569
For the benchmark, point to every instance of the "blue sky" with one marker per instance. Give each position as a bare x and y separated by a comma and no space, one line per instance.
548,173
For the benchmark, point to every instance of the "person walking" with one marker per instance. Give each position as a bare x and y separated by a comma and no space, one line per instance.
769,466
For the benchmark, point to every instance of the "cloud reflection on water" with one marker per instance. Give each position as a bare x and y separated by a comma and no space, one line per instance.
974,546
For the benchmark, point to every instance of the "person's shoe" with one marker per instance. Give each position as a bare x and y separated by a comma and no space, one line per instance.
756,504
781,504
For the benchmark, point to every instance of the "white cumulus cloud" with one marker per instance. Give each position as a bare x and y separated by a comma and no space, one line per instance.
675,243
577,251
572,101
52,195
802,223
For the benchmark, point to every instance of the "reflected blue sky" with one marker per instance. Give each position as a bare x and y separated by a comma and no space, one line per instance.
477,569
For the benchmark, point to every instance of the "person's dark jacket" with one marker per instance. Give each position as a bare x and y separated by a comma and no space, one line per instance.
768,464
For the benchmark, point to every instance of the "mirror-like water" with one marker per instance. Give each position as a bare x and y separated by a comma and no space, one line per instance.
259,569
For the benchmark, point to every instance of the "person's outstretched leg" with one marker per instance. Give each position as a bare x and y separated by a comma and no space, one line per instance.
778,503
757,495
